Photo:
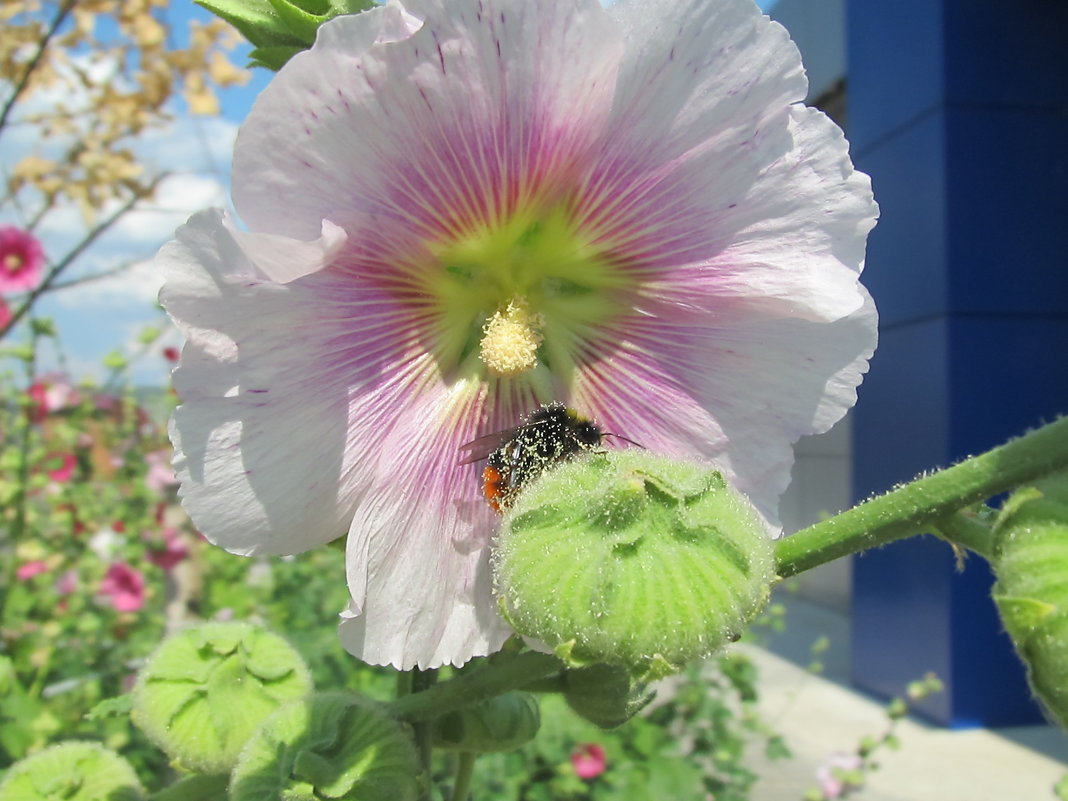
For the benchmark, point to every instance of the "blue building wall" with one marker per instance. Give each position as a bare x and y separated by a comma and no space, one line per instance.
958,109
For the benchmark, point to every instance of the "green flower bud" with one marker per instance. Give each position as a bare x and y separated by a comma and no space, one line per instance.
630,558
74,771
605,695
329,745
207,689
1031,593
504,723
279,29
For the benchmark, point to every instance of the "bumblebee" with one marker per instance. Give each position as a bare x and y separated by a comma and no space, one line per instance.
549,435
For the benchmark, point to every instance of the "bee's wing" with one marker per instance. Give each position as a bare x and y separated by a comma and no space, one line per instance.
479,449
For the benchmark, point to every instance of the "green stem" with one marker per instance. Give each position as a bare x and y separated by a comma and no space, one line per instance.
18,525
419,681
919,506
465,769
470,688
963,529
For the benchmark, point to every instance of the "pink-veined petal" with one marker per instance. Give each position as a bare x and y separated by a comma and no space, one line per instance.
485,105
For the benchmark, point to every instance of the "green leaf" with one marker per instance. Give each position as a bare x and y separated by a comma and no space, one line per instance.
111,707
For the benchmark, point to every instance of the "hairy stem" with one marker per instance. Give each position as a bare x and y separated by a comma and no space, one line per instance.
921,505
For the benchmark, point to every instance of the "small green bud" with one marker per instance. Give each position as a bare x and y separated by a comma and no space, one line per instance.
43,326
629,558
605,695
73,771
206,690
329,745
504,723
1031,593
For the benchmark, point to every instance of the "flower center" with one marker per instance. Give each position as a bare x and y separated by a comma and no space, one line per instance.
13,263
521,293
510,340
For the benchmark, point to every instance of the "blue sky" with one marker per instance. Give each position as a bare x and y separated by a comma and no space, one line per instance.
106,315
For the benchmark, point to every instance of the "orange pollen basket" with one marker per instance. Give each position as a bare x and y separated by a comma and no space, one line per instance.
492,486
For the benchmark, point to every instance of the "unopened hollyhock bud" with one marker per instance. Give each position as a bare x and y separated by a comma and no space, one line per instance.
73,771
605,695
330,745
630,558
206,689
503,723
1031,562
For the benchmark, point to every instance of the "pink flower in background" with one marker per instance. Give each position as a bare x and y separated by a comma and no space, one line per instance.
589,761
5,313
67,584
160,474
28,570
124,587
51,392
22,260
455,211
831,774
60,466
172,552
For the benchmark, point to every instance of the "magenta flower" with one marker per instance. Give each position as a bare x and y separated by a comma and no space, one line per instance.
172,552
28,570
22,260
60,466
5,313
124,587
51,392
459,210
589,761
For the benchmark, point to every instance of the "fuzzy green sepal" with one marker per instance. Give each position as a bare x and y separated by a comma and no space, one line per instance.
328,746
73,771
206,689
634,559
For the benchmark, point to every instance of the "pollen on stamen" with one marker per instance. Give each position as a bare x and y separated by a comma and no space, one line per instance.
510,340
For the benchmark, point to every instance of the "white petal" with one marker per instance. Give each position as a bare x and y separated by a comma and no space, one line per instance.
284,259
262,442
418,550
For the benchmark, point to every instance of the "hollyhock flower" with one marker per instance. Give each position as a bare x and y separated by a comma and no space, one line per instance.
831,774
172,552
589,761
28,570
105,543
22,260
124,587
455,211
160,474
67,584
51,392
60,466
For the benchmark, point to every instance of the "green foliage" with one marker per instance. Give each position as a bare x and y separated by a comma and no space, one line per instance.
690,742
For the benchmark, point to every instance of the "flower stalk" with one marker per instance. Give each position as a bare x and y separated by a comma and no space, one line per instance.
926,503
470,688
